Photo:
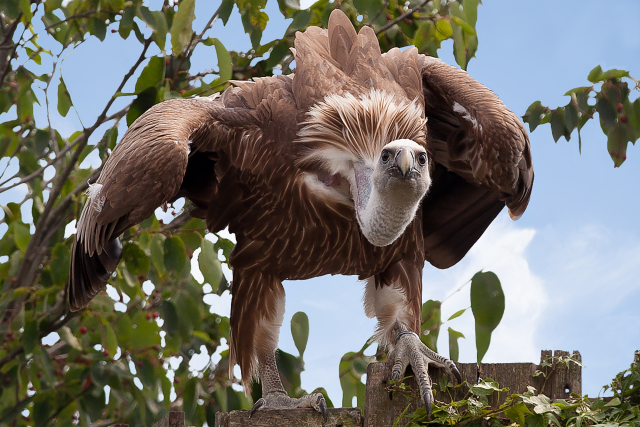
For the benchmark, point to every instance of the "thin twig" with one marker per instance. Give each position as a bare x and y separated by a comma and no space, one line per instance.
79,15
401,17
384,6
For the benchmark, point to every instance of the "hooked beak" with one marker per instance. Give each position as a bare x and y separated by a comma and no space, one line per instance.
404,161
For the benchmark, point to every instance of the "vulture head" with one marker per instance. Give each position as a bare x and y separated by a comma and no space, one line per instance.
387,196
376,143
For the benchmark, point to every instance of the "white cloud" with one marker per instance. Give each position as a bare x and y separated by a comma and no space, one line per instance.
502,249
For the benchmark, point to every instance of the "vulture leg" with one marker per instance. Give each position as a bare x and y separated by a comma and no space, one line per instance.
257,312
394,298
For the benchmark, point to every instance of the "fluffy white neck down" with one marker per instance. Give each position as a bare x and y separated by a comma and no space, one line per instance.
383,215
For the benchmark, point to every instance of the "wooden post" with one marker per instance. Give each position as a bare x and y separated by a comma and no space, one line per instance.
380,411
171,419
337,417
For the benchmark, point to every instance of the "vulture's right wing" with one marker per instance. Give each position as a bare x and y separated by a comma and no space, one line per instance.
482,162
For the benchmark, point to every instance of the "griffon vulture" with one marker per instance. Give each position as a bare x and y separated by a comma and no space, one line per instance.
358,163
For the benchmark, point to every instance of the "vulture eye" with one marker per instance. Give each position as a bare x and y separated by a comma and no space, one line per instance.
422,158
385,156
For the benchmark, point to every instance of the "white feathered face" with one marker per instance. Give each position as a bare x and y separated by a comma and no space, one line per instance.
373,149
388,196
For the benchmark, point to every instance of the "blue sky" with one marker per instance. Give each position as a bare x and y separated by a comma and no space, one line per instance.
570,267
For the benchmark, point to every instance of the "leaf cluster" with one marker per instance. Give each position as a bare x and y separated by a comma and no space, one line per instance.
609,96
534,409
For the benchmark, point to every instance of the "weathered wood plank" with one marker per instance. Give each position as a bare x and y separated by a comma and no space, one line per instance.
337,417
171,419
380,411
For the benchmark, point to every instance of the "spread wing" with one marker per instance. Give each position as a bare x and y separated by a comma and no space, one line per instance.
144,171
482,162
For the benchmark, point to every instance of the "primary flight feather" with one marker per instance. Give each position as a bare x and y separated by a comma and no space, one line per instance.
358,163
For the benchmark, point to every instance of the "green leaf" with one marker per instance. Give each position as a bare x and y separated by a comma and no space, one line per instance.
443,29
594,75
457,314
145,333
617,142
30,336
533,115
151,75
157,252
431,322
454,349
558,124
224,61
613,402
210,265
145,100
170,317
300,331
175,256
470,8
487,305
225,10
67,336
110,341
64,99
158,24
181,28
21,235
136,260
60,264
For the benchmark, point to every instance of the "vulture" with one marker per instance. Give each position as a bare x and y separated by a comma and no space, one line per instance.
358,163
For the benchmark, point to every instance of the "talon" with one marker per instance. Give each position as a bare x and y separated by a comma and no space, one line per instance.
257,406
456,373
427,403
323,408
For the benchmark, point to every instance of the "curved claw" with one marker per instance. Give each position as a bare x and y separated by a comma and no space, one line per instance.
323,409
427,403
456,373
259,404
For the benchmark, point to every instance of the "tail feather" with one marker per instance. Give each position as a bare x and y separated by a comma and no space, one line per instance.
89,273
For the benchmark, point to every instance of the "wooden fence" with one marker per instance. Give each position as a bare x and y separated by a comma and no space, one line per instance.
558,381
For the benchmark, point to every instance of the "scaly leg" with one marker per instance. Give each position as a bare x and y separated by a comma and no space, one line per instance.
257,312
398,320
275,397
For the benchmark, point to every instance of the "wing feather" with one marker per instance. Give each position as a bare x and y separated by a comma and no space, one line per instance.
483,161
144,171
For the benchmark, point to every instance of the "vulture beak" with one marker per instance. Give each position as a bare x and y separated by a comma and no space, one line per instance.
404,161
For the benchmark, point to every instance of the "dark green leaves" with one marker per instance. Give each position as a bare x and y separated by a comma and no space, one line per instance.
175,257
209,264
64,99
135,258
487,305
618,116
158,24
300,331
151,75
224,61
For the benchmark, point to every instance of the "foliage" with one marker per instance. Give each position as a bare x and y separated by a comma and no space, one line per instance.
608,95
533,408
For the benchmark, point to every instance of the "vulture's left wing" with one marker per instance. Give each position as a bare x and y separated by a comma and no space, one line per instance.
147,169
482,162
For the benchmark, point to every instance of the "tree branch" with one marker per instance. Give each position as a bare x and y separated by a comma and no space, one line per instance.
401,17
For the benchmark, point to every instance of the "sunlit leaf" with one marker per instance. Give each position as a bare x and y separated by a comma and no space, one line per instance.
487,305
181,30
67,336
300,331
